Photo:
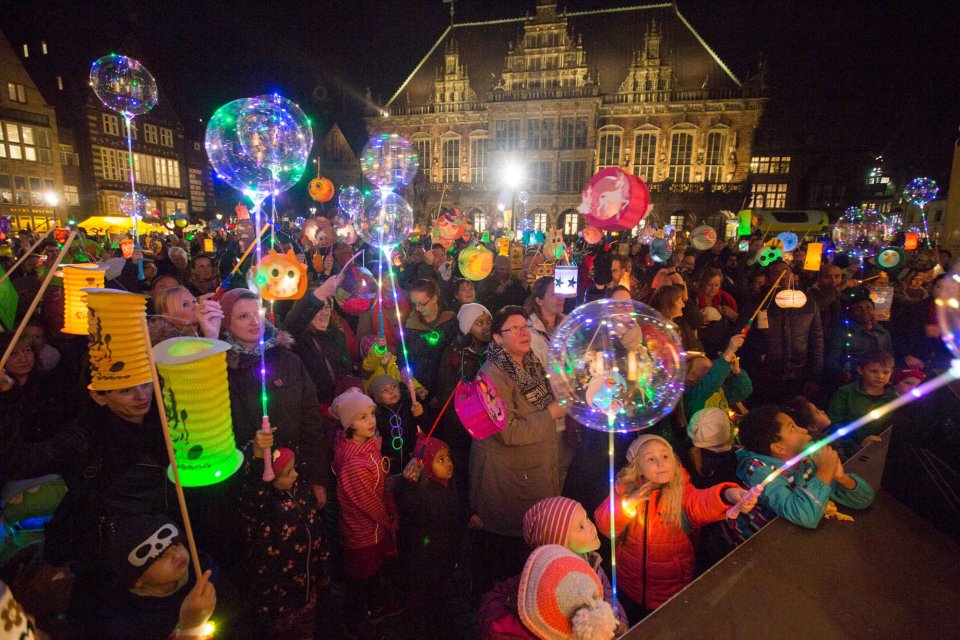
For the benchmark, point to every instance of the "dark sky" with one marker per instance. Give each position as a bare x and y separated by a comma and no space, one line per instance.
879,76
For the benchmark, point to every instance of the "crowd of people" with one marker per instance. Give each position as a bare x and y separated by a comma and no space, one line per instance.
385,517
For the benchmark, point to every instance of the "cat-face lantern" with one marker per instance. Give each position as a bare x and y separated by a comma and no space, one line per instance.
280,277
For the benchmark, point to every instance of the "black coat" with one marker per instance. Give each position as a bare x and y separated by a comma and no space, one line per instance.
425,344
793,344
324,355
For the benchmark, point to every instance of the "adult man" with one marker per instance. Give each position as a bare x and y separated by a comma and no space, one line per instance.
203,277
847,342
827,292
500,288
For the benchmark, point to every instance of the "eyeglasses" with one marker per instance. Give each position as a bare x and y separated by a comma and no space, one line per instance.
523,328
420,305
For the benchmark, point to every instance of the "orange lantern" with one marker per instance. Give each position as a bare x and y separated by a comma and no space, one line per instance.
592,235
126,248
280,276
321,189
77,277
476,263
911,241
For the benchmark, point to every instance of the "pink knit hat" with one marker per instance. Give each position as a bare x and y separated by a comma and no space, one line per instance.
348,405
227,301
560,597
548,521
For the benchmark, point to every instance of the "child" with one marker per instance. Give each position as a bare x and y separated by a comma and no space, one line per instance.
284,544
378,361
712,458
859,398
656,516
809,416
716,384
150,567
368,515
433,524
397,421
802,493
907,380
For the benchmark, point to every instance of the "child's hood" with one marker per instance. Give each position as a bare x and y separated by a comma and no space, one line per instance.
345,449
745,458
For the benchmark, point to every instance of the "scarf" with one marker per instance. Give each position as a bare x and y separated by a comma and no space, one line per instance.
531,379
270,341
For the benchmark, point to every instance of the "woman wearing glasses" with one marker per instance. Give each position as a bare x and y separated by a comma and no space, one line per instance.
512,470
430,328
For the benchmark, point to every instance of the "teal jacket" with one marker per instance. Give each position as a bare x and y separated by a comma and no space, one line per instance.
796,495
728,389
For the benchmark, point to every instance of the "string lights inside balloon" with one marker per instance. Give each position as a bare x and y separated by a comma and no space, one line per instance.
859,232
921,191
260,146
124,85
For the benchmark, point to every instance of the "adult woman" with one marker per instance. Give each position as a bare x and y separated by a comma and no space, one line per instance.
719,310
369,322
668,301
544,310
908,319
181,314
291,396
36,403
510,471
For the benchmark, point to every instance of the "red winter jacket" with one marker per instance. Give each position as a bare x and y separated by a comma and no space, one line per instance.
654,560
367,512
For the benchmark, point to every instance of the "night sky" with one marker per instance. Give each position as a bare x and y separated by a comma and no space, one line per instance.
874,76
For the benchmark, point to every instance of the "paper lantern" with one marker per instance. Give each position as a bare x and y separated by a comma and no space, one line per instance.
503,246
788,240
911,240
193,376
592,235
565,280
744,221
450,226
768,255
811,262
890,258
126,248
117,346
703,237
320,189
614,200
883,301
60,234
77,277
790,299
279,276
480,408
476,263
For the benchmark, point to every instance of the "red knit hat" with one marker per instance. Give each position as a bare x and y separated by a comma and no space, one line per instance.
227,301
903,374
281,456
560,597
426,452
548,521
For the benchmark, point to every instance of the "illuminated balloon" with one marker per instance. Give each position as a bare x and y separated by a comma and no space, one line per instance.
321,189
523,197
123,85
947,302
345,230
526,224
133,206
920,191
386,220
351,201
660,250
616,365
259,145
859,233
357,291
389,161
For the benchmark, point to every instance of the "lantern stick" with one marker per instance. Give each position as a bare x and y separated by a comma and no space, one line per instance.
380,293
437,420
168,441
25,255
747,326
36,299
226,281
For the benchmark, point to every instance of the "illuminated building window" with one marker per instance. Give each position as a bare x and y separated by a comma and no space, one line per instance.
681,154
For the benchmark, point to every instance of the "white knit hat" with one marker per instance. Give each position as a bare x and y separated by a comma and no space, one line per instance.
634,447
710,429
468,314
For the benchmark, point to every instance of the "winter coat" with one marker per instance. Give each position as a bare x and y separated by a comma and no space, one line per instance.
369,322
845,345
655,560
793,345
851,402
408,431
425,345
291,404
540,337
324,355
431,511
457,363
512,470
797,495
43,406
375,365
367,511
717,389
283,544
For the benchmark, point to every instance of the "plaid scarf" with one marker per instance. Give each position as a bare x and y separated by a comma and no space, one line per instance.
531,379
270,341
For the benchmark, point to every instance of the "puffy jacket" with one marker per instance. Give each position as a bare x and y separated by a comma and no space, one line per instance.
655,560
793,345
367,512
324,355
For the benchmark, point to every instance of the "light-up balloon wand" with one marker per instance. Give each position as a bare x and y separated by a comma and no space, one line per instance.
226,281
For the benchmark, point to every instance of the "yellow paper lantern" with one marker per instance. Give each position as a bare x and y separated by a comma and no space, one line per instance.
76,277
118,349
193,375
476,263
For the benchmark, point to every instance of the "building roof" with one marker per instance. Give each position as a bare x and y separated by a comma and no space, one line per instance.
610,39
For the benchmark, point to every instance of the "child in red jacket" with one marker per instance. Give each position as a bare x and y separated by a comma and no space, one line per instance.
656,518
368,515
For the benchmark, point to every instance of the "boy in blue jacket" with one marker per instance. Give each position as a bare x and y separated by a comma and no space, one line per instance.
803,493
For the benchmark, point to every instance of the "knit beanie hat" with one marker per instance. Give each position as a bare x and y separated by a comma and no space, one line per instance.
710,429
280,457
903,374
379,384
227,301
348,405
548,521
560,597
634,447
136,542
427,451
468,314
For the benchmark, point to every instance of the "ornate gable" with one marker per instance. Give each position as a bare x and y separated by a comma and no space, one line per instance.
452,84
546,55
649,72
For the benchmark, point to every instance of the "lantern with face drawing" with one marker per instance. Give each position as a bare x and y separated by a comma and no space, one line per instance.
280,277
614,200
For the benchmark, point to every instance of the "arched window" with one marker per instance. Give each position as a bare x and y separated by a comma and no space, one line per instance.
571,222
422,145
645,154
716,145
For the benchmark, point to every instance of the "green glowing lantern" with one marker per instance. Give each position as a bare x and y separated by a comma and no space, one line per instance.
193,376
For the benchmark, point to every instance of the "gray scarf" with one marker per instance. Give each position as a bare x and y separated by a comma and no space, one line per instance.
531,379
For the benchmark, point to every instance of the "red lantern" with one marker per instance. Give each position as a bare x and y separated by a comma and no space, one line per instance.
60,234
126,248
614,200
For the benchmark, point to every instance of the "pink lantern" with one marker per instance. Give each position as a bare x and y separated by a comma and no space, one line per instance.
480,408
614,200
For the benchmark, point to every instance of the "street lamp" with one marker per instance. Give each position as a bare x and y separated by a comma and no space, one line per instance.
53,200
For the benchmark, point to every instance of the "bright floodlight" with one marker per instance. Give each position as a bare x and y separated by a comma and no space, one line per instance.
51,198
513,174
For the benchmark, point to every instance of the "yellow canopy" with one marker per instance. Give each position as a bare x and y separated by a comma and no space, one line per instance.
118,224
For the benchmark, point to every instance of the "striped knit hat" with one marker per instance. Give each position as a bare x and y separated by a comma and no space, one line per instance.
548,521
561,597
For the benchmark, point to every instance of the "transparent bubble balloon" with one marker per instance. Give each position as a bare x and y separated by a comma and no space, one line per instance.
859,233
389,161
525,224
920,191
891,225
259,145
133,206
386,220
351,201
523,197
947,292
616,365
357,291
123,85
